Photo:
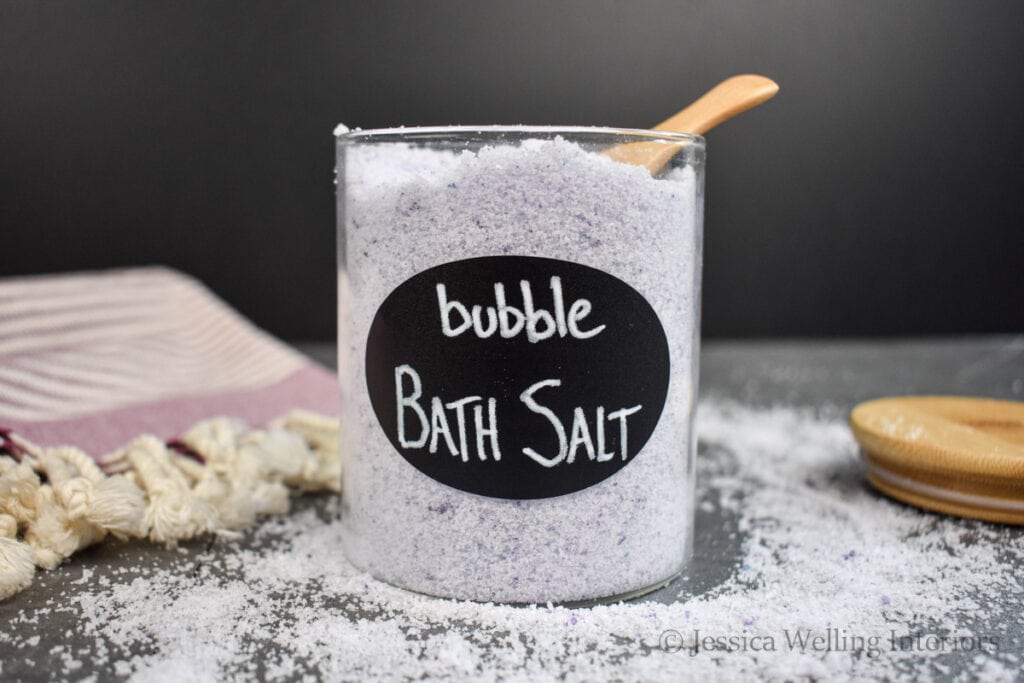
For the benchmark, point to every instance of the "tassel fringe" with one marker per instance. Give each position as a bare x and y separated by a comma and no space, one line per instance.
218,478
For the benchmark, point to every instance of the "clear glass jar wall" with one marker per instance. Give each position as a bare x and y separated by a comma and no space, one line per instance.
518,343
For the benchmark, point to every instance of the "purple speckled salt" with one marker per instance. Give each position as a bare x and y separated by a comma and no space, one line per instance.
404,209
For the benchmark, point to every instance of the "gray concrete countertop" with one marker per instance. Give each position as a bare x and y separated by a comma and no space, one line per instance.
837,374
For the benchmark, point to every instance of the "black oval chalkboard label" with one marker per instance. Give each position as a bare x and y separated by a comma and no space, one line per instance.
517,377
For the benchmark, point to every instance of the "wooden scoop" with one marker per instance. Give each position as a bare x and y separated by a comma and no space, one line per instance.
727,99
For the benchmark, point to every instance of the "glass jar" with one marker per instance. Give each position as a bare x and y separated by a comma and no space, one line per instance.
518,346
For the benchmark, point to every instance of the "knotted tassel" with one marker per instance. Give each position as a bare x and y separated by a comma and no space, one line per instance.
53,535
174,513
112,503
18,488
321,433
162,494
16,563
236,479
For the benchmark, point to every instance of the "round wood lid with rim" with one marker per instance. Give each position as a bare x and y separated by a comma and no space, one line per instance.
953,454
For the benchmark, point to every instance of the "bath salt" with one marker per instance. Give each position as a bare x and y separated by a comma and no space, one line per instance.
893,593
608,255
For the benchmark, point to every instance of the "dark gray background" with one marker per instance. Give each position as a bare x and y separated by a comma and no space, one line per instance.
879,193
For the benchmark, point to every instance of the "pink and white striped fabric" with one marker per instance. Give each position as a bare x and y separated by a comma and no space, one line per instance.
96,359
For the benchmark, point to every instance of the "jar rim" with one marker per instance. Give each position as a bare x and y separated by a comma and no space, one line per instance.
407,133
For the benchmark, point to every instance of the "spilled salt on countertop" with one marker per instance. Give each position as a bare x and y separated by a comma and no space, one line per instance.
818,553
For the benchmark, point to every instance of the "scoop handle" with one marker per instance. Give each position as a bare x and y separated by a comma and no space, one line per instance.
727,99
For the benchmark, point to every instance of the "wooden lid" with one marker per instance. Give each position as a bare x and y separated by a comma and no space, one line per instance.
957,455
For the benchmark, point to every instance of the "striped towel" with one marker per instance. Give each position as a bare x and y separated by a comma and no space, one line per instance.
96,359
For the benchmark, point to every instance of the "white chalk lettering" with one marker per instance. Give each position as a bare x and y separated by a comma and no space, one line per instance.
621,415
580,438
509,320
533,316
556,294
579,310
460,418
410,402
504,310
492,319
602,454
446,309
581,435
491,431
439,426
563,446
